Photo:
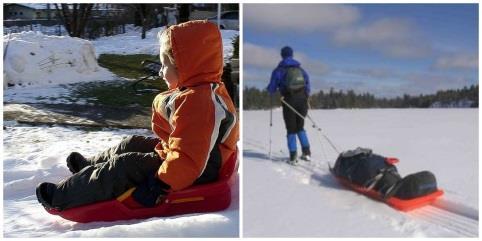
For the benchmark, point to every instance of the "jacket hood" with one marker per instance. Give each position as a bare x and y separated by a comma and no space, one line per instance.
289,61
198,52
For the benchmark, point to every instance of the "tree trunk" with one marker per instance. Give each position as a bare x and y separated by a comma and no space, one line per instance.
184,12
85,12
74,21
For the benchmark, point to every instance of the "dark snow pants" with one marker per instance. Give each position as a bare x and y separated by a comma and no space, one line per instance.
110,174
295,123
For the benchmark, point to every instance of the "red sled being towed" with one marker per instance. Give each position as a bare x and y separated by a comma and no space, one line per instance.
402,204
210,197
397,203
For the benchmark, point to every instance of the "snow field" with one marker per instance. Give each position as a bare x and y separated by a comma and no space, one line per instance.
306,201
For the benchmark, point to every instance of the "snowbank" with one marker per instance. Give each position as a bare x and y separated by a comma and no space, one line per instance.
37,154
34,59
131,42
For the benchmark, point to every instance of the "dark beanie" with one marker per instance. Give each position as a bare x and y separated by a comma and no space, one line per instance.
286,52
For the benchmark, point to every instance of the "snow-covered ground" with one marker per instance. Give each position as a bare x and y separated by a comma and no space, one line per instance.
131,42
41,67
306,201
37,154
47,30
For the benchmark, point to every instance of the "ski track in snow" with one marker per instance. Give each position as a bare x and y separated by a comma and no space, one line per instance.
451,216
447,217
32,155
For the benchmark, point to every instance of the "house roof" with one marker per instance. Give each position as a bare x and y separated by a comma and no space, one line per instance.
36,6
43,6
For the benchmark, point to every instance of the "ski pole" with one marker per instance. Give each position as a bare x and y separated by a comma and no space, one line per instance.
312,122
270,123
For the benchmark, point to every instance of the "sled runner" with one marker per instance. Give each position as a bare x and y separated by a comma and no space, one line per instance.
377,177
209,197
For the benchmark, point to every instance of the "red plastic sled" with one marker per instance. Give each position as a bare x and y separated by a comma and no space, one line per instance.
196,199
399,204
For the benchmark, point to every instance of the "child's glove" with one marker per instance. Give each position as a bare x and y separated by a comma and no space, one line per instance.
150,192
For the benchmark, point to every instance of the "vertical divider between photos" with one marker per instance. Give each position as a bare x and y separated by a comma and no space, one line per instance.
241,123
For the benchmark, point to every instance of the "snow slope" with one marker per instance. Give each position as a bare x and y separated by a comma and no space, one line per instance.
37,154
306,201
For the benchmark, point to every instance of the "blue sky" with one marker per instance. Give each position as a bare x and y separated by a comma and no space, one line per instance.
385,49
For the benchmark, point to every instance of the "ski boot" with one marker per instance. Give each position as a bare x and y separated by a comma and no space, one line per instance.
45,192
293,160
76,162
306,156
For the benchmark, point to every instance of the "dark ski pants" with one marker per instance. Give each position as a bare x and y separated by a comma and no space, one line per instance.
294,123
110,173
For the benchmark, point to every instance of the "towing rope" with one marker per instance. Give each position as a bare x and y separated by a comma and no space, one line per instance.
314,125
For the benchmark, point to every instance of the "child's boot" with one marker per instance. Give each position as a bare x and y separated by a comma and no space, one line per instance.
45,193
76,162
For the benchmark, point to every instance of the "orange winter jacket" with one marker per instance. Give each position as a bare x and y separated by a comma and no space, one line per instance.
196,122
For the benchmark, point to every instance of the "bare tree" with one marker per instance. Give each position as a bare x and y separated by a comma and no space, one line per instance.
74,17
143,16
184,12
146,16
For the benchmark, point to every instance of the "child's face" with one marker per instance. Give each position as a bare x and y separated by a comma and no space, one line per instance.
168,72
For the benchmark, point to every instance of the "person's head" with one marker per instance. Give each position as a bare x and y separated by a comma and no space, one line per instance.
195,51
286,52
168,69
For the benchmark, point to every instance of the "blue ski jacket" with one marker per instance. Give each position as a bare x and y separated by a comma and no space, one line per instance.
277,77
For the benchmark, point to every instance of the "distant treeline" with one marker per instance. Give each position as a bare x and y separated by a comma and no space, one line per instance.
468,97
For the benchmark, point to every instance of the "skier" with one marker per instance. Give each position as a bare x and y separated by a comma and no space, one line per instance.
195,122
294,85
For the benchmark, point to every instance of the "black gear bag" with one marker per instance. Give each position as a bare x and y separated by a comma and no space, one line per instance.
374,172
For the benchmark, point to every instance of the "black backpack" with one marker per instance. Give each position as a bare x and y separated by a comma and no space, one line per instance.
294,79
372,171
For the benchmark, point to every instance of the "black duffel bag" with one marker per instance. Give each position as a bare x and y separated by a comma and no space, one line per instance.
416,185
364,168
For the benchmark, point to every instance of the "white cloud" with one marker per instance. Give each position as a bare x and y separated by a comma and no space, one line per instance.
377,73
312,66
261,57
429,83
268,58
457,61
299,17
393,37
395,83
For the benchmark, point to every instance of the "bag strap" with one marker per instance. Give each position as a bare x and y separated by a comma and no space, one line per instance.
390,191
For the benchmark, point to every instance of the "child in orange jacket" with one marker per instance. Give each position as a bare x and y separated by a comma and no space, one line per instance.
195,122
